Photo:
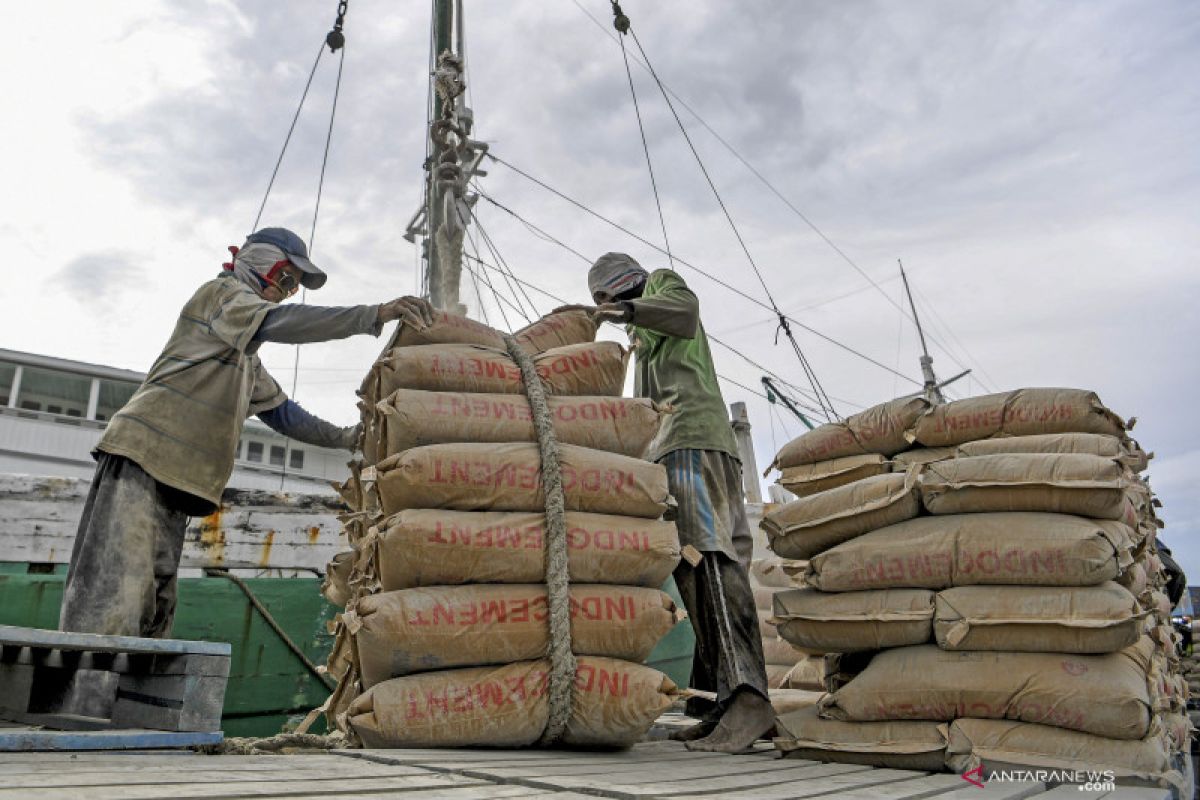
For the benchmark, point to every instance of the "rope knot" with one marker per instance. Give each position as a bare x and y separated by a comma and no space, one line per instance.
620,21
784,327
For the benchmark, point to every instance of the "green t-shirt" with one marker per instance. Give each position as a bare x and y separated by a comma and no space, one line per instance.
674,366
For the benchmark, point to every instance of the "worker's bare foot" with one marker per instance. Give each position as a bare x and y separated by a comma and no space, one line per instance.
748,718
693,732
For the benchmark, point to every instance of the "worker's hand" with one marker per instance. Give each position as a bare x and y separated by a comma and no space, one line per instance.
576,307
410,310
611,312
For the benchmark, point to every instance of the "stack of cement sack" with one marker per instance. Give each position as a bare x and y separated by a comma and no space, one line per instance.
445,640
992,561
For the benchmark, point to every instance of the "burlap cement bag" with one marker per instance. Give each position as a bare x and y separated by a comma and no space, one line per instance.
808,673
508,477
920,456
880,429
802,528
429,547
809,479
410,419
1088,619
788,701
1024,412
552,330
849,622
336,585
1104,695
594,368
891,745
614,704
766,628
764,597
1003,744
1095,444
776,674
769,572
440,627
1015,549
777,651
1085,485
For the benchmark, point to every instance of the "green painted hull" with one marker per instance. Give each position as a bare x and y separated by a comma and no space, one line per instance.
267,683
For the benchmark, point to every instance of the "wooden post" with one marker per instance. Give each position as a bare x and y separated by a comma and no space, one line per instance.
741,431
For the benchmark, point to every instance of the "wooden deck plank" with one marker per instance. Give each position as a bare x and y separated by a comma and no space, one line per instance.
215,774
651,788
914,789
845,784
29,739
618,771
210,764
272,788
1073,790
95,642
519,759
483,791
994,790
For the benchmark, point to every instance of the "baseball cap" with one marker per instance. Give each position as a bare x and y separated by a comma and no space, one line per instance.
293,247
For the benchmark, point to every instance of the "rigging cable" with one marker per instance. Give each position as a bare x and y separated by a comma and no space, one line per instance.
621,24
475,248
688,264
774,190
784,326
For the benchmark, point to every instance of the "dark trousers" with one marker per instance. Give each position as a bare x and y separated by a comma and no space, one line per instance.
122,577
728,655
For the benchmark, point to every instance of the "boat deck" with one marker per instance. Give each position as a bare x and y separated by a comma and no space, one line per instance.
649,770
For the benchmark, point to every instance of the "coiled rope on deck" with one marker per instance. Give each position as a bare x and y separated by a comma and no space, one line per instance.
562,659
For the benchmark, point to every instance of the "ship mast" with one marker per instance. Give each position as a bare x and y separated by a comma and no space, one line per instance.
453,159
932,388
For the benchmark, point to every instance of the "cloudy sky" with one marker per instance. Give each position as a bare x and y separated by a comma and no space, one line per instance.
1034,165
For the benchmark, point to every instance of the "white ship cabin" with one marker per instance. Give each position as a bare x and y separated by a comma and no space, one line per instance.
52,412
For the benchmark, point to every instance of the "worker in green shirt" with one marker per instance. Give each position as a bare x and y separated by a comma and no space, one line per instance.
696,445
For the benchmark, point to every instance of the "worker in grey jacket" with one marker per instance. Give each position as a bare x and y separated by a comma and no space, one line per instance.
168,453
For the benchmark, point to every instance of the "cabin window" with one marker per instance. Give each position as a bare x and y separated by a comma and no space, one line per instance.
8,373
296,459
113,395
53,390
276,456
254,451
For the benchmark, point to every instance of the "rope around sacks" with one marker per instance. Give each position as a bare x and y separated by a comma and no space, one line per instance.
562,659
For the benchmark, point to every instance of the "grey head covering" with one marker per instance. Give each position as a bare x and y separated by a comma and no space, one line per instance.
615,273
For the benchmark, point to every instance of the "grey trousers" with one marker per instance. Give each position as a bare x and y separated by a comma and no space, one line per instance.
122,577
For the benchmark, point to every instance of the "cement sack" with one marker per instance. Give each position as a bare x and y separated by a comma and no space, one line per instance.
809,479
1014,549
549,332
1092,619
776,674
428,547
508,477
766,628
1104,695
777,651
1135,579
891,745
920,456
440,627
1088,486
850,622
764,597
1024,412
1006,744
809,673
880,429
335,587
410,419
805,527
769,572
614,704
596,368
1095,444
788,701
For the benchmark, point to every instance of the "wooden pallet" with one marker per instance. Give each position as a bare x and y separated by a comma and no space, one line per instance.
87,691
